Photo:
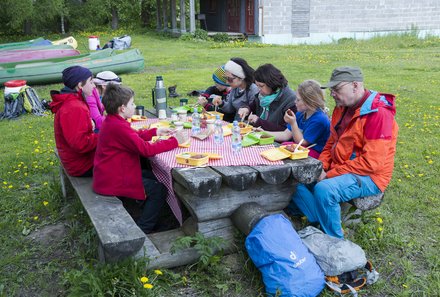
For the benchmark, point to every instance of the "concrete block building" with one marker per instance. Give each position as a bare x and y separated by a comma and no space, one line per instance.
311,21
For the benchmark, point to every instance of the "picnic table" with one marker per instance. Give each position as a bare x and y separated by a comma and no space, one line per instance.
212,193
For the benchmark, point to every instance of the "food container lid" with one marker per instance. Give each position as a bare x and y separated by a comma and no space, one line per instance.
15,83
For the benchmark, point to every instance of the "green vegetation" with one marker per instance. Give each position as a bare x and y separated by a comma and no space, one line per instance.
401,237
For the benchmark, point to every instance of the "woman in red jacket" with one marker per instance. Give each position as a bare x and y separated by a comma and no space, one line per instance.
117,167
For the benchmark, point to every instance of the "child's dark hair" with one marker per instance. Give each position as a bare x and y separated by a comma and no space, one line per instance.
115,96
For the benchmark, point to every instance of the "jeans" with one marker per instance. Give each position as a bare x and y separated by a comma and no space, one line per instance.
156,197
320,201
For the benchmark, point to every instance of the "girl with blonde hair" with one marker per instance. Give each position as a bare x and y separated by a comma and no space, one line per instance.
311,121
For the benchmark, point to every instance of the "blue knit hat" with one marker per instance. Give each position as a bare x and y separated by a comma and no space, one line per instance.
219,76
74,75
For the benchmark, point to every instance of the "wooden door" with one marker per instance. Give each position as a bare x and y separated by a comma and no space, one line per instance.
233,15
250,16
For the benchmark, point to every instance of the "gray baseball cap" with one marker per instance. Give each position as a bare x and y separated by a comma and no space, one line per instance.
345,73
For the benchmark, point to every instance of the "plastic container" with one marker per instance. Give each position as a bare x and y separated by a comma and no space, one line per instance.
244,128
214,114
301,153
14,86
218,131
262,138
93,43
195,129
236,138
192,159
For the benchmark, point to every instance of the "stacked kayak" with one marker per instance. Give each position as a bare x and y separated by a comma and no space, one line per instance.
37,53
38,42
50,70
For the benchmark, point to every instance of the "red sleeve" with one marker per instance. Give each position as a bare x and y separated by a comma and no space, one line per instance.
135,143
147,134
77,128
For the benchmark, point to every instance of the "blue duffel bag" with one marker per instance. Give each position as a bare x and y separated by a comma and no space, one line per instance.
287,267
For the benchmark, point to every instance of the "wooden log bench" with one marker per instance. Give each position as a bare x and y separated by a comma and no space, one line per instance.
351,211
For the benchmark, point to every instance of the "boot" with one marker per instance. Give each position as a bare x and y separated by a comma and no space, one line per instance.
172,92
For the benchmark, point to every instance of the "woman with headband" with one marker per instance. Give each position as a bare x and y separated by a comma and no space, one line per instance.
240,76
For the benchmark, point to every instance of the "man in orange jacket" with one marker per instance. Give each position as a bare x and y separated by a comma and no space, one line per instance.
358,158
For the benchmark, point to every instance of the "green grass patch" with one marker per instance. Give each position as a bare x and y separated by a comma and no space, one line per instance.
401,237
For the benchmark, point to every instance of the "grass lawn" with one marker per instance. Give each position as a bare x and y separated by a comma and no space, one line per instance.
401,237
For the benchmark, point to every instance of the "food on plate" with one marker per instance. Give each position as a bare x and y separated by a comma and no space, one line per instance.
138,118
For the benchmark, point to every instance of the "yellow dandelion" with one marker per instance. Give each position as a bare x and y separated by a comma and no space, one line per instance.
144,279
37,150
45,203
27,186
405,286
10,186
406,166
148,286
20,221
430,162
421,174
380,229
45,184
35,218
5,182
35,141
158,272
379,220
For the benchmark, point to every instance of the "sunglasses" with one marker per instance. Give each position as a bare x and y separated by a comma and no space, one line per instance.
231,79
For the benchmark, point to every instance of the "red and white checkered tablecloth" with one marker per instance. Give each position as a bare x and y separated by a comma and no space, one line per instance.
163,163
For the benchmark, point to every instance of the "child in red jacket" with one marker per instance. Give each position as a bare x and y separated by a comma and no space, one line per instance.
117,168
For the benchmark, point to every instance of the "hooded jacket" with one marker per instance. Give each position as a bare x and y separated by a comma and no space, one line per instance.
74,137
367,145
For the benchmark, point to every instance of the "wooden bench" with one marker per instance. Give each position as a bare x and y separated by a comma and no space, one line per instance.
119,236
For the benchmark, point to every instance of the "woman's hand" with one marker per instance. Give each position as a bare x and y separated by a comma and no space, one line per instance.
243,112
253,118
202,100
217,100
289,117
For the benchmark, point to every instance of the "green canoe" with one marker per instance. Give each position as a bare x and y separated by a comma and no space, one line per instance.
49,71
21,44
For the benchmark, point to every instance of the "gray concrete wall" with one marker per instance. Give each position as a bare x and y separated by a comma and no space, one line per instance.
317,21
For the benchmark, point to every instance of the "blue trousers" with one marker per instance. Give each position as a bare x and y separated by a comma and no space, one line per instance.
320,201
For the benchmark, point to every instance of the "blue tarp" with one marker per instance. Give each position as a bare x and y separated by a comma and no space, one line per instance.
284,261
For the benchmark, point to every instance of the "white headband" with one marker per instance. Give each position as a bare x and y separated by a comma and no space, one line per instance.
235,69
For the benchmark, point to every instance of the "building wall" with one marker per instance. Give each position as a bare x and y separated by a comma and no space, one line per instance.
277,16
316,21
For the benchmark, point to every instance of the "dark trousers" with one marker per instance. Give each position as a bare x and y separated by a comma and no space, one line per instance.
156,198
